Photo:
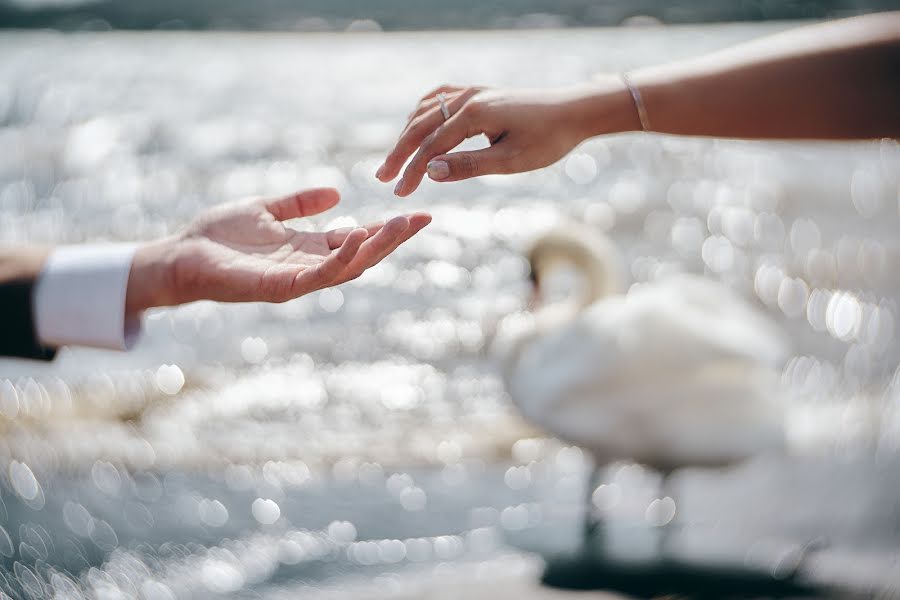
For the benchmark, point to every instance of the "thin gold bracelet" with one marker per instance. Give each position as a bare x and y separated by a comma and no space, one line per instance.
638,101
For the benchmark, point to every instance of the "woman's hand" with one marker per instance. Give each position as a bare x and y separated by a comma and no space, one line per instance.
243,252
527,130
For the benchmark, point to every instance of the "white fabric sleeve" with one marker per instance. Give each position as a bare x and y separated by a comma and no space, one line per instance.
79,297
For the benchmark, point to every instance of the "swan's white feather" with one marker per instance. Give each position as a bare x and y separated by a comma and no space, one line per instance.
675,373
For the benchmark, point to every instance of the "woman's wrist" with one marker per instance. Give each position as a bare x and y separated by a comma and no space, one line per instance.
603,106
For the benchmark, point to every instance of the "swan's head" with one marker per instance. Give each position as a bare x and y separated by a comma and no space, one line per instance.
577,246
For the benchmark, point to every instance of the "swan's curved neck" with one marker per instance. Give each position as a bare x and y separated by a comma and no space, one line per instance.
588,252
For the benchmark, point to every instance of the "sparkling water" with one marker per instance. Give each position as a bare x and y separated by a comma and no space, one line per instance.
362,434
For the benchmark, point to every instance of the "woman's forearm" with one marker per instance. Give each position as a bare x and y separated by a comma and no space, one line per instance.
838,80
835,80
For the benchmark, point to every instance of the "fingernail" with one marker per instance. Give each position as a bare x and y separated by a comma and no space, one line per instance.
379,172
398,187
438,169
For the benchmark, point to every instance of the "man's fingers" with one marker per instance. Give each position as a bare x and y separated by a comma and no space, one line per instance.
303,204
415,133
336,237
416,222
378,244
332,267
465,165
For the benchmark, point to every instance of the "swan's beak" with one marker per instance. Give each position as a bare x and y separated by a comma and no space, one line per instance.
534,300
535,297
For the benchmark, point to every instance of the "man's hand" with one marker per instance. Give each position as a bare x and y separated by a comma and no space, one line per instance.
243,252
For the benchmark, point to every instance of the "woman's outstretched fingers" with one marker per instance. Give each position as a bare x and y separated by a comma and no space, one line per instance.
449,98
332,267
447,90
411,138
303,204
422,124
441,89
444,139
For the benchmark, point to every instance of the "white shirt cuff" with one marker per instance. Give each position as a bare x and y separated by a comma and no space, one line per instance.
79,297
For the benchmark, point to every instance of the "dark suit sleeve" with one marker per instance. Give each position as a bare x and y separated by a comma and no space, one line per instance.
17,331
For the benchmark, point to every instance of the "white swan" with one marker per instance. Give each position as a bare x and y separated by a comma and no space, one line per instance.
675,373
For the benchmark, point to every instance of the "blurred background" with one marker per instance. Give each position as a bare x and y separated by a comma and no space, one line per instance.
394,15
358,442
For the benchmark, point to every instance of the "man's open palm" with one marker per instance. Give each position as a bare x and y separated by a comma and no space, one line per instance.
243,252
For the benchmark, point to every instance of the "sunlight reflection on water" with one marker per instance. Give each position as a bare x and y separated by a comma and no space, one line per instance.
126,137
